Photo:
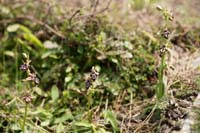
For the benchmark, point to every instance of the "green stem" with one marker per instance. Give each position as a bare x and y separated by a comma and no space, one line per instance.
89,97
16,67
162,67
25,115
161,87
4,64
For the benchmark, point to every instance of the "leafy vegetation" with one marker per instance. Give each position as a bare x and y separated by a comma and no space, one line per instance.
77,70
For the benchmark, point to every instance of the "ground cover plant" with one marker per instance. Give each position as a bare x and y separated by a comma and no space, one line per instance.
98,66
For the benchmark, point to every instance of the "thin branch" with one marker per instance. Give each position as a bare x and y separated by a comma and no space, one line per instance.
97,12
46,26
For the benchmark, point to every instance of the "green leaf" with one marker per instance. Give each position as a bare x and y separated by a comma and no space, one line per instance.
13,28
54,93
42,113
45,123
127,55
83,124
51,54
80,50
85,127
109,116
68,79
9,53
101,130
27,34
68,69
33,39
114,60
15,126
60,128
50,45
27,47
25,29
67,116
38,91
